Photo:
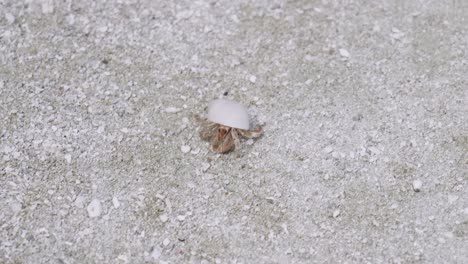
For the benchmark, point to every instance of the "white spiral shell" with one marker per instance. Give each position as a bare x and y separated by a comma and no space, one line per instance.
228,113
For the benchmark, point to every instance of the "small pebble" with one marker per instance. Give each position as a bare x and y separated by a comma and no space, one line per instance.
336,213
70,19
172,110
47,7
195,151
344,53
205,166
396,34
252,79
328,149
156,253
417,184
308,58
181,218
15,206
9,18
79,201
185,149
68,158
163,218
166,242
115,202
375,150
452,198
94,208
449,235
123,258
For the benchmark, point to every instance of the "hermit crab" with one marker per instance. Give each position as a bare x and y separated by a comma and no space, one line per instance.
227,121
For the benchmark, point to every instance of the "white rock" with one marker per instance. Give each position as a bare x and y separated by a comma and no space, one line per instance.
15,206
10,18
449,235
68,158
397,34
184,14
195,151
156,253
376,28
417,184
336,213
70,19
16,154
185,149
123,258
181,218
235,19
452,198
79,201
163,218
252,78
85,232
308,58
172,110
166,242
7,149
94,208
115,202
205,166
344,53
47,6
375,150
441,240
102,29
328,149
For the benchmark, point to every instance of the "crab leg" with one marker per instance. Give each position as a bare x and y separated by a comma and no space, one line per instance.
207,128
235,136
207,131
254,133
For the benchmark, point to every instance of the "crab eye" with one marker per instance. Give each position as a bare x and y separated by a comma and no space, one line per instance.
228,113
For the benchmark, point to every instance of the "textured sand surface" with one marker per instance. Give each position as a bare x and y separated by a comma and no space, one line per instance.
364,157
